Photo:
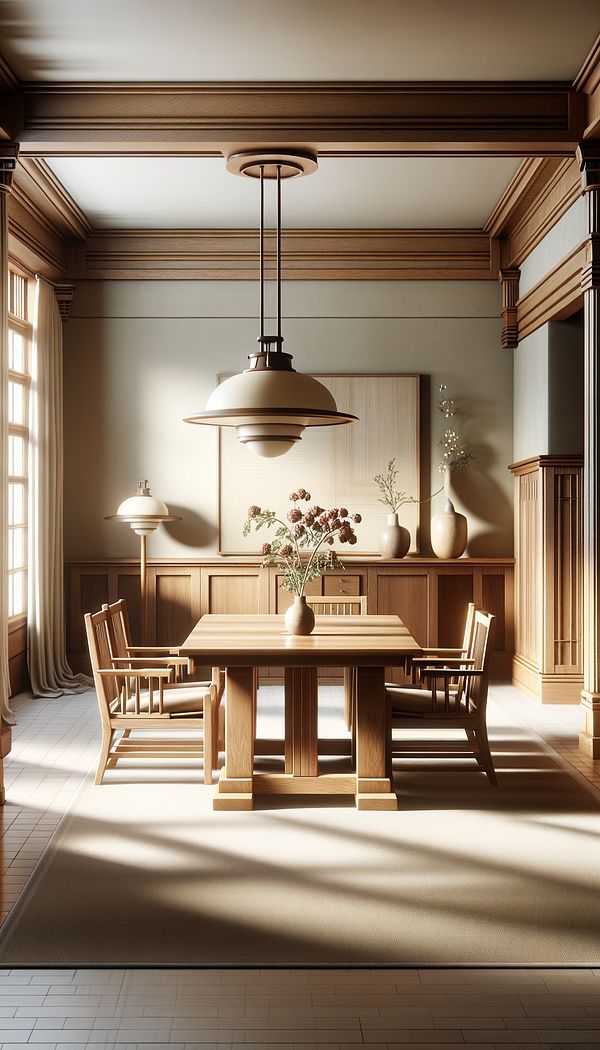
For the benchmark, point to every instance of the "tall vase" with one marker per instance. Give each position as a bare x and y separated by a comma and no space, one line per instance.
448,528
394,539
299,618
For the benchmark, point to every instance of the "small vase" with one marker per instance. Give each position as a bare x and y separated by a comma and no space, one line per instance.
394,540
299,618
448,532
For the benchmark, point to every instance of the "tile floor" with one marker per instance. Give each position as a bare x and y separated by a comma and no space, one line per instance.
56,741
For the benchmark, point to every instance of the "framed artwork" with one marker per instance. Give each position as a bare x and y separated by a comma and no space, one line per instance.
335,464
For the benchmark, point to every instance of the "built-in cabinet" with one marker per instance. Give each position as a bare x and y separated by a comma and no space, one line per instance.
548,583
429,595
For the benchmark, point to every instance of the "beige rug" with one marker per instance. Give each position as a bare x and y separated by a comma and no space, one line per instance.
146,873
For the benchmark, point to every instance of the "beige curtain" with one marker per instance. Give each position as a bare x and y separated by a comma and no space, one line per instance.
5,711
49,671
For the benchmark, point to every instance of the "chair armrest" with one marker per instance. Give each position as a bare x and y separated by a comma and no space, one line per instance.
449,672
158,661
427,661
167,650
440,650
133,672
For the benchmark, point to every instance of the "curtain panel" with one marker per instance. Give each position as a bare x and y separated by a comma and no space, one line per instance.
49,671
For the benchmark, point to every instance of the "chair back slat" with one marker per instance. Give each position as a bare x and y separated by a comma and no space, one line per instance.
351,605
118,627
476,689
96,628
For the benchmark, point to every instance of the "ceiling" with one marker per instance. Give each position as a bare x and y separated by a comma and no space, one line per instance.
262,40
353,192
265,40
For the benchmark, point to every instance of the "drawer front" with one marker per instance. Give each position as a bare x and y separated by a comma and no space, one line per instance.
345,584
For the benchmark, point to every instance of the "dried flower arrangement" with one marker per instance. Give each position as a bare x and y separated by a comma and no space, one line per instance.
297,547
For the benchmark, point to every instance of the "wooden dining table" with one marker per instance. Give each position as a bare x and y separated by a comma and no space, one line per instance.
243,643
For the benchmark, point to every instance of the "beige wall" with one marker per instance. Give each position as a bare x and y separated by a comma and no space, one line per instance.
141,355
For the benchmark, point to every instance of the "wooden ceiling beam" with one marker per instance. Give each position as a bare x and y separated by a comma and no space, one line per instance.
349,119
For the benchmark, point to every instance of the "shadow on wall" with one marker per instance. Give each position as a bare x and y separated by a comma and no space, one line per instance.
193,530
482,497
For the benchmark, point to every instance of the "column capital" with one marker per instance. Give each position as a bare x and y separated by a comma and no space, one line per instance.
9,152
588,158
509,283
63,293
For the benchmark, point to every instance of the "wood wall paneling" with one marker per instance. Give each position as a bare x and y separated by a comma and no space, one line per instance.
428,594
548,587
233,590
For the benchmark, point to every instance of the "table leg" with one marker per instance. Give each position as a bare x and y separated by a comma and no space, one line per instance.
374,788
301,736
234,790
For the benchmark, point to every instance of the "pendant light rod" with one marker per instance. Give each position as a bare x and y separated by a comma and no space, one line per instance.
262,254
279,338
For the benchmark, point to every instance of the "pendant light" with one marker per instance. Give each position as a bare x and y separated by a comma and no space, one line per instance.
270,404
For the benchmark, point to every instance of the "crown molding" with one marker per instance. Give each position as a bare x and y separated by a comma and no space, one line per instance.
522,222
347,118
588,76
558,295
40,192
306,255
587,82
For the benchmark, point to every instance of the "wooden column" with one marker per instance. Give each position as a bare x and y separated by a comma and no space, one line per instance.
509,284
8,162
588,155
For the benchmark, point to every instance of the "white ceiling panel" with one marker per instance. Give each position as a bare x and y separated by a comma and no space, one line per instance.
356,192
224,40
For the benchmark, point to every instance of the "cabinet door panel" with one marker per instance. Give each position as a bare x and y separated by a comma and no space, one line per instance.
233,594
454,594
406,596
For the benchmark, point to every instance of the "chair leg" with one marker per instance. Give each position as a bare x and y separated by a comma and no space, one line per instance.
216,735
107,739
221,735
484,755
208,724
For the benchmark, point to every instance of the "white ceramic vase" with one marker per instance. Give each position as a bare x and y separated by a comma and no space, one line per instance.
299,618
394,539
448,532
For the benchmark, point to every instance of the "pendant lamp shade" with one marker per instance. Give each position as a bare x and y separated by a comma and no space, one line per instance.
142,511
270,404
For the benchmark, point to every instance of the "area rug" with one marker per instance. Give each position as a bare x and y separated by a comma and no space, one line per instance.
142,871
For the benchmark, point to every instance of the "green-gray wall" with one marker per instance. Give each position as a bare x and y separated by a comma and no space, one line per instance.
141,355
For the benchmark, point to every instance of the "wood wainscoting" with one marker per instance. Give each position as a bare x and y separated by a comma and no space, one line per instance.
430,596
548,587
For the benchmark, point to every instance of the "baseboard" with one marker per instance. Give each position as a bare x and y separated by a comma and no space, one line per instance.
546,688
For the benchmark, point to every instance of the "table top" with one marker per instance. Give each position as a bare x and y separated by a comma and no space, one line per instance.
342,641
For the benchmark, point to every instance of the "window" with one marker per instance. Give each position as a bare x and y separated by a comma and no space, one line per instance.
19,381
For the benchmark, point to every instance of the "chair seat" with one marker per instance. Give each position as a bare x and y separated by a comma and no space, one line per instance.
177,700
415,701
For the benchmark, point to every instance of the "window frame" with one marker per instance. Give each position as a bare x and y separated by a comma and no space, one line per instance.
20,298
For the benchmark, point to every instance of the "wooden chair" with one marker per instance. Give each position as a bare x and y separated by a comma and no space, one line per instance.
440,707
350,605
447,657
126,704
123,654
